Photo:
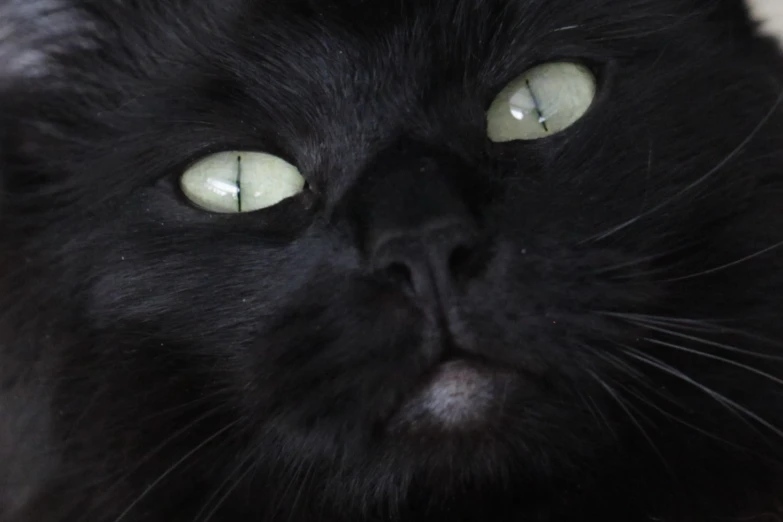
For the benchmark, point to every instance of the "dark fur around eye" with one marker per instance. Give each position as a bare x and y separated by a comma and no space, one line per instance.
581,328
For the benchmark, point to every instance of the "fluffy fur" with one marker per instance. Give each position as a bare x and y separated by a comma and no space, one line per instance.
159,363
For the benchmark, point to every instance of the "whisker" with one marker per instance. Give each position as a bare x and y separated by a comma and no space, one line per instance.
649,403
638,275
152,453
183,406
716,358
644,380
620,364
726,266
694,325
634,262
714,344
732,406
229,490
625,407
173,468
603,235
595,412
655,318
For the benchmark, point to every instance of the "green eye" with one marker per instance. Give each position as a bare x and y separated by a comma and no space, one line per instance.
544,101
234,182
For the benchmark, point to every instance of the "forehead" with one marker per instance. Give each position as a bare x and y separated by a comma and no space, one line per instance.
341,46
344,45
401,51
382,12
327,79
449,22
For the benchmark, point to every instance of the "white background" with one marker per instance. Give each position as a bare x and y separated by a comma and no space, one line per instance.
771,12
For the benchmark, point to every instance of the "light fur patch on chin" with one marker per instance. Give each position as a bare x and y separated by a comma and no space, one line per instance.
770,13
32,31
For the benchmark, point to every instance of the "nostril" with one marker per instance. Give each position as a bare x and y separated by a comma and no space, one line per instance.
460,260
399,273
429,261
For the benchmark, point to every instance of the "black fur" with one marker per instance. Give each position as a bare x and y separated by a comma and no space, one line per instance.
159,363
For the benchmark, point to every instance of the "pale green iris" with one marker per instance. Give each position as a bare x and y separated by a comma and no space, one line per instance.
545,100
234,182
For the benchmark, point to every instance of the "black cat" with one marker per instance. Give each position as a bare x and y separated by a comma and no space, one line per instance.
390,260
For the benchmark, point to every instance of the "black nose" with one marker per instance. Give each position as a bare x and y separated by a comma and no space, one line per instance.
430,259
415,223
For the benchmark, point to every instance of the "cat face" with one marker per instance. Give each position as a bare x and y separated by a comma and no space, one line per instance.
439,318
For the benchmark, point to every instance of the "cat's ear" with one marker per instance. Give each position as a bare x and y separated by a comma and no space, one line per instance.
35,34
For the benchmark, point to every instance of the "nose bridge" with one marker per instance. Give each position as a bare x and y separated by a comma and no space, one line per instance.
411,202
407,188
413,221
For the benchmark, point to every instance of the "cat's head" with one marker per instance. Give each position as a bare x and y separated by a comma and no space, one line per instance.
477,257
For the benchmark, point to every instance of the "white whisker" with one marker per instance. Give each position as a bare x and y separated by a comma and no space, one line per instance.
152,453
714,344
693,185
715,358
726,266
173,468
229,490
732,406
693,325
679,420
626,408
597,414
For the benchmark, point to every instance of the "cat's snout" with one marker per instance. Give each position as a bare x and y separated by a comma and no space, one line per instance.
415,224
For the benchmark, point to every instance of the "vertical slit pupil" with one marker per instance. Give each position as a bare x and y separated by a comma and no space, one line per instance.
541,118
239,183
